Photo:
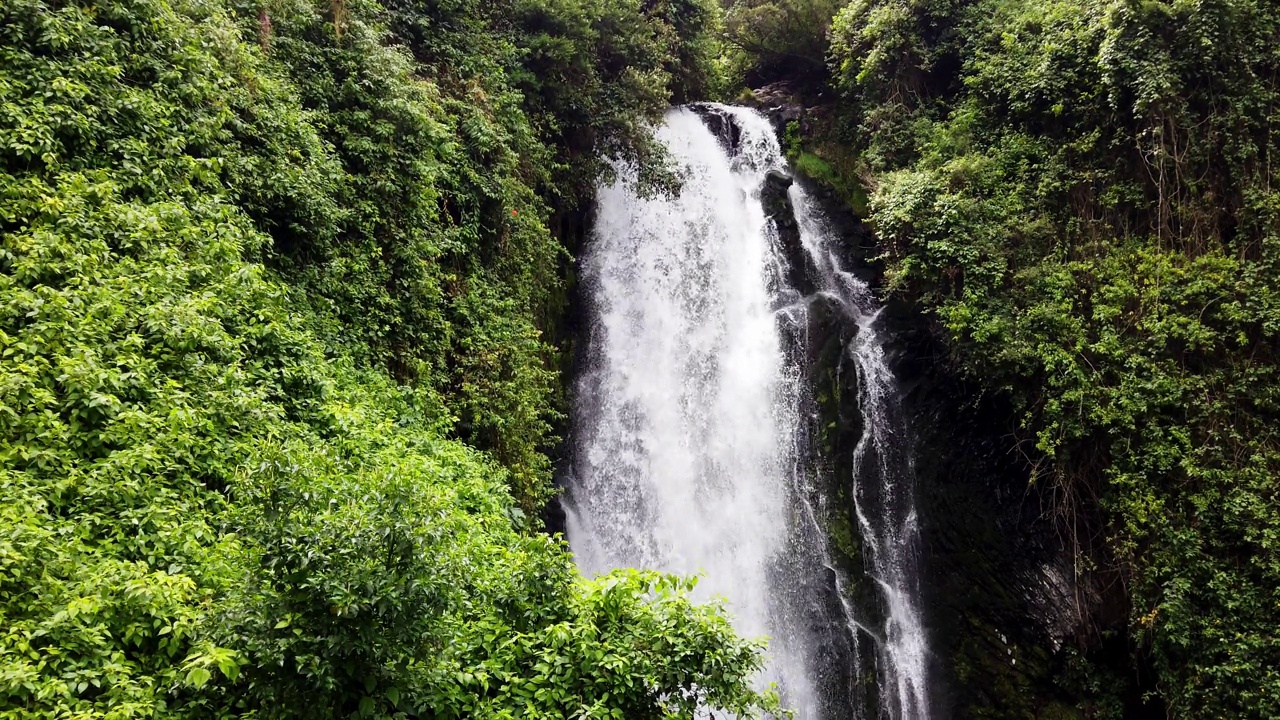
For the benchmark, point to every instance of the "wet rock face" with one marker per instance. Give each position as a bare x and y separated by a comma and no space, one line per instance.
778,101
722,125
986,543
777,204
999,592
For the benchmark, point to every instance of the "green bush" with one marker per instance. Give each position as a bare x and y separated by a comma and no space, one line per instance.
1081,193
254,295
781,39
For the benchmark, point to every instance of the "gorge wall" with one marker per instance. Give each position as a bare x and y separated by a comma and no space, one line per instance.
1017,628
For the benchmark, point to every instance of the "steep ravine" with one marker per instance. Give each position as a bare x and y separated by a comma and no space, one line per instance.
996,592
1014,629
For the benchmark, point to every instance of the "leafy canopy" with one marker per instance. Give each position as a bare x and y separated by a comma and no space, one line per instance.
271,368
1082,193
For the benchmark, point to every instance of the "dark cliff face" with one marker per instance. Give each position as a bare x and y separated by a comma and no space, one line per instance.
1019,627
997,588
564,328
995,569
1002,603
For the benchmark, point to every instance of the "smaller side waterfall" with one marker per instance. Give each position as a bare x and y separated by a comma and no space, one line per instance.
883,480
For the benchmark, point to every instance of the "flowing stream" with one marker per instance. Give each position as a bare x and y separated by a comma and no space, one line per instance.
692,421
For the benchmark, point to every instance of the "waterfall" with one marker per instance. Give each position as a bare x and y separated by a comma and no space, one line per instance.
883,479
690,427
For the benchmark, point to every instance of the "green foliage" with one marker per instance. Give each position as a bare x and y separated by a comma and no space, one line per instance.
246,299
1082,193
840,173
888,47
576,80
428,235
776,37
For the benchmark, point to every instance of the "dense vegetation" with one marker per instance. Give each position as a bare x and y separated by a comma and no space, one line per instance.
280,294
1082,195
275,398
764,38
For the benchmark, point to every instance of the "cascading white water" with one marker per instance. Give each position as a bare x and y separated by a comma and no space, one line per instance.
684,411
883,480
686,417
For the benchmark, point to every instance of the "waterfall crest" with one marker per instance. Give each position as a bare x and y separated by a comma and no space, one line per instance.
690,432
